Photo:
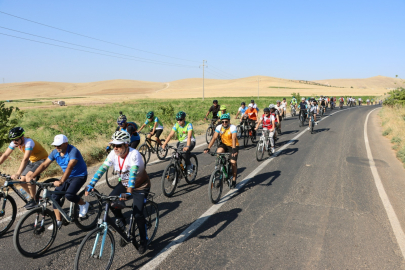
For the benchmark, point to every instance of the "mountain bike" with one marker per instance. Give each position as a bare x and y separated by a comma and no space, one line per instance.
211,129
322,110
263,145
177,170
241,127
293,111
222,173
312,122
97,249
302,117
32,236
249,133
146,149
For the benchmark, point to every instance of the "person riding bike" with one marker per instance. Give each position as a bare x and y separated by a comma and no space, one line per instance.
303,107
34,155
74,175
341,101
185,134
276,114
254,105
284,106
133,180
313,110
322,101
221,112
280,109
155,126
131,128
294,102
241,111
214,109
229,143
251,114
269,124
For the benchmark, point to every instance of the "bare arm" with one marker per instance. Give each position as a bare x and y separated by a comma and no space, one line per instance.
214,137
168,138
143,125
23,164
40,169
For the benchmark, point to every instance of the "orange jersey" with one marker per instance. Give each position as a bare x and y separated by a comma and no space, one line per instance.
252,114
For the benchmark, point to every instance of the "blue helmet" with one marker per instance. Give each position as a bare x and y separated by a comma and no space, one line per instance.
121,120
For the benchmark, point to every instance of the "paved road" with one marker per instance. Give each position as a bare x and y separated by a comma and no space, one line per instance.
314,206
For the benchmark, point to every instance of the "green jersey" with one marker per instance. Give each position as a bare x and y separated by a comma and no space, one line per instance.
151,124
182,131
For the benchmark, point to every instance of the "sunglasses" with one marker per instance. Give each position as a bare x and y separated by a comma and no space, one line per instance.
116,145
225,122
57,146
16,140
180,120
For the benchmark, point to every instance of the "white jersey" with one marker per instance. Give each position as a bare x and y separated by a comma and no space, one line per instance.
359,99
284,104
313,109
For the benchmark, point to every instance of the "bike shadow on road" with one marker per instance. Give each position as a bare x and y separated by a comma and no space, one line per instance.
264,179
280,144
320,130
289,132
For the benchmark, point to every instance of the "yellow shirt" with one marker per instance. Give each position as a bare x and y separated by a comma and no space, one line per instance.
38,152
226,134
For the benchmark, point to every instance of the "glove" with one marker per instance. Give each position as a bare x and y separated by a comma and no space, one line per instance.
108,148
125,196
89,188
207,149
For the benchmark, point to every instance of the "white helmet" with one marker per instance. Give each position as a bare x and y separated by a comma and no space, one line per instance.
271,106
120,137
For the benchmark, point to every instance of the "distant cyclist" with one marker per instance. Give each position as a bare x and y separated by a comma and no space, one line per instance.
269,124
229,143
33,156
294,102
185,134
341,101
276,115
303,107
251,114
360,101
155,126
313,110
254,105
322,102
214,109
284,106
131,128
241,111
279,113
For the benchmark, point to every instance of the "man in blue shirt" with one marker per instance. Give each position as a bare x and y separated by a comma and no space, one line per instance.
74,174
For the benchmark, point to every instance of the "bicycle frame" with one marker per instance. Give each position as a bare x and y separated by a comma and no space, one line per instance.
10,184
46,197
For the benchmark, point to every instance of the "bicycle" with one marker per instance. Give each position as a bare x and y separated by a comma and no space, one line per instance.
211,129
31,236
220,174
263,144
293,111
312,122
302,117
249,133
241,127
177,170
96,251
146,148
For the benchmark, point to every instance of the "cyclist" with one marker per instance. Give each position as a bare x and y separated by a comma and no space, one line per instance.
222,111
133,180
284,106
254,105
131,128
214,109
74,175
279,113
360,101
279,108
185,134
341,101
303,107
241,111
34,155
251,114
276,115
155,126
269,125
293,102
372,101
322,101
229,143
313,110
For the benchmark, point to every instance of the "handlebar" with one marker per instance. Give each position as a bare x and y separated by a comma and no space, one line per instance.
103,197
43,185
220,154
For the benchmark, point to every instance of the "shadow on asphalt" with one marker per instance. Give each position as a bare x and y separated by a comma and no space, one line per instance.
288,151
364,162
260,179
224,218
320,130
289,132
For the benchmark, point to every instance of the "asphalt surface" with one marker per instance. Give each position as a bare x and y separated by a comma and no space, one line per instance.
314,206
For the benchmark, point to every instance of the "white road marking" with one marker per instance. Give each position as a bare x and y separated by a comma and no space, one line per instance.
392,217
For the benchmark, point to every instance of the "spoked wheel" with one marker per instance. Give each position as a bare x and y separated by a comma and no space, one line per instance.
31,235
145,151
89,221
215,186
191,177
151,214
38,194
162,153
92,254
111,178
245,137
260,150
208,134
169,180
8,213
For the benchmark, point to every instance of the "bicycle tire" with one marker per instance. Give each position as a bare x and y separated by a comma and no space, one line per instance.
194,161
38,196
312,125
169,180
208,134
239,131
36,234
90,262
160,152
4,215
95,209
151,214
260,150
145,151
112,180
245,137
215,183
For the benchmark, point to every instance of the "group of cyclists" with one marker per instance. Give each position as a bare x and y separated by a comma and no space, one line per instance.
134,181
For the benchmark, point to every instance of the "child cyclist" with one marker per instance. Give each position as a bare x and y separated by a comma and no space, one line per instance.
269,125
155,126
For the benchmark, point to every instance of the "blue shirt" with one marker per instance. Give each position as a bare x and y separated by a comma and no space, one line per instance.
135,136
80,169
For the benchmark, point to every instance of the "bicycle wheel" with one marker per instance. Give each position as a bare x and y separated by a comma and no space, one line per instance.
169,180
253,137
260,150
145,151
89,221
191,177
151,214
208,134
245,137
111,177
312,125
239,131
38,194
8,213
88,254
215,186
31,235
160,152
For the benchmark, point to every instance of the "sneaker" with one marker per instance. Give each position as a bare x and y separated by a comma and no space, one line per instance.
309,128
31,204
233,185
272,150
142,248
58,223
316,123
190,169
83,209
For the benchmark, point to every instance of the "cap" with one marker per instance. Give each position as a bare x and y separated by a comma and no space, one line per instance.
250,105
223,107
59,139
303,98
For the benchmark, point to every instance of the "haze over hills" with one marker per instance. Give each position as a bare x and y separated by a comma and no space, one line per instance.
118,90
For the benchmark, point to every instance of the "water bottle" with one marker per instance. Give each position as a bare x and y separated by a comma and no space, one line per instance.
25,194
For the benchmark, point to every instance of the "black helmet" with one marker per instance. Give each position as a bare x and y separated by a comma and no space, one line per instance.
266,110
215,101
15,133
180,115
252,101
243,103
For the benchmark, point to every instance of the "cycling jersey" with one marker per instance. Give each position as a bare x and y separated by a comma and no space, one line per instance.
220,114
342,100
293,101
134,136
226,134
322,101
152,123
79,170
252,114
182,131
313,109
284,104
267,121
130,169
242,110
38,152
303,106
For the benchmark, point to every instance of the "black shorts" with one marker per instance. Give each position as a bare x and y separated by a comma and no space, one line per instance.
228,149
157,132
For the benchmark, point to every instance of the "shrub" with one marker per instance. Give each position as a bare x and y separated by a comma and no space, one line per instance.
6,123
401,154
396,139
387,132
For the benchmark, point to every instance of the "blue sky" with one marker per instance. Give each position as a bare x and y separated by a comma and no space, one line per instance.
309,40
